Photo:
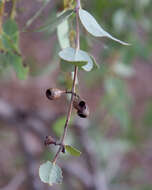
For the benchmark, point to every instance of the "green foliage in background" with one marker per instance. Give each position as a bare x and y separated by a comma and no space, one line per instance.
10,51
127,20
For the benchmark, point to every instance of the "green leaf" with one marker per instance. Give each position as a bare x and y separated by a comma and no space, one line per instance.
16,62
63,34
52,25
50,173
10,35
91,25
10,27
10,43
4,61
77,57
66,67
73,151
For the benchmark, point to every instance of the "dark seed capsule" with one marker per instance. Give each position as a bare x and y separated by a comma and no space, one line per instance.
48,93
82,105
80,114
84,113
79,104
54,93
49,140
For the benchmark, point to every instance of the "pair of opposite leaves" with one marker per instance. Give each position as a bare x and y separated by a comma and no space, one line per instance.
81,58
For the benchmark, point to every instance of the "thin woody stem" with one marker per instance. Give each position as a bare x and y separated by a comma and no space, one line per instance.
75,94
13,11
68,116
77,26
73,86
1,15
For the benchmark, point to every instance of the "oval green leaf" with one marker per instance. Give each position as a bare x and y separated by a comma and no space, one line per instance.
16,62
73,151
50,173
10,35
77,57
63,34
10,27
92,26
66,67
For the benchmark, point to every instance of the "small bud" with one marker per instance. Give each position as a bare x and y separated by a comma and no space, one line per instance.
54,93
49,140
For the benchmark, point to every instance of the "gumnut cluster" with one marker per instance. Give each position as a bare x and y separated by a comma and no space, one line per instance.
78,103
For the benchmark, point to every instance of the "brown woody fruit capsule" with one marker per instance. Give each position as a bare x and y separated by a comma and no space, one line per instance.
84,113
49,140
79,104
81,107
54,93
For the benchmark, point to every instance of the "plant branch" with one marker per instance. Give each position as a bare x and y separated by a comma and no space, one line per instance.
73,86
75,94
13,10
77,25
1,14
37,14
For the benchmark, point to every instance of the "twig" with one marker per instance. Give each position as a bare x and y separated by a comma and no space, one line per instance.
37,14
73,86
1,14
13,10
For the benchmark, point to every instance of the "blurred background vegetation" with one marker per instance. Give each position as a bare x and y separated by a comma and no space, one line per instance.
116,139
